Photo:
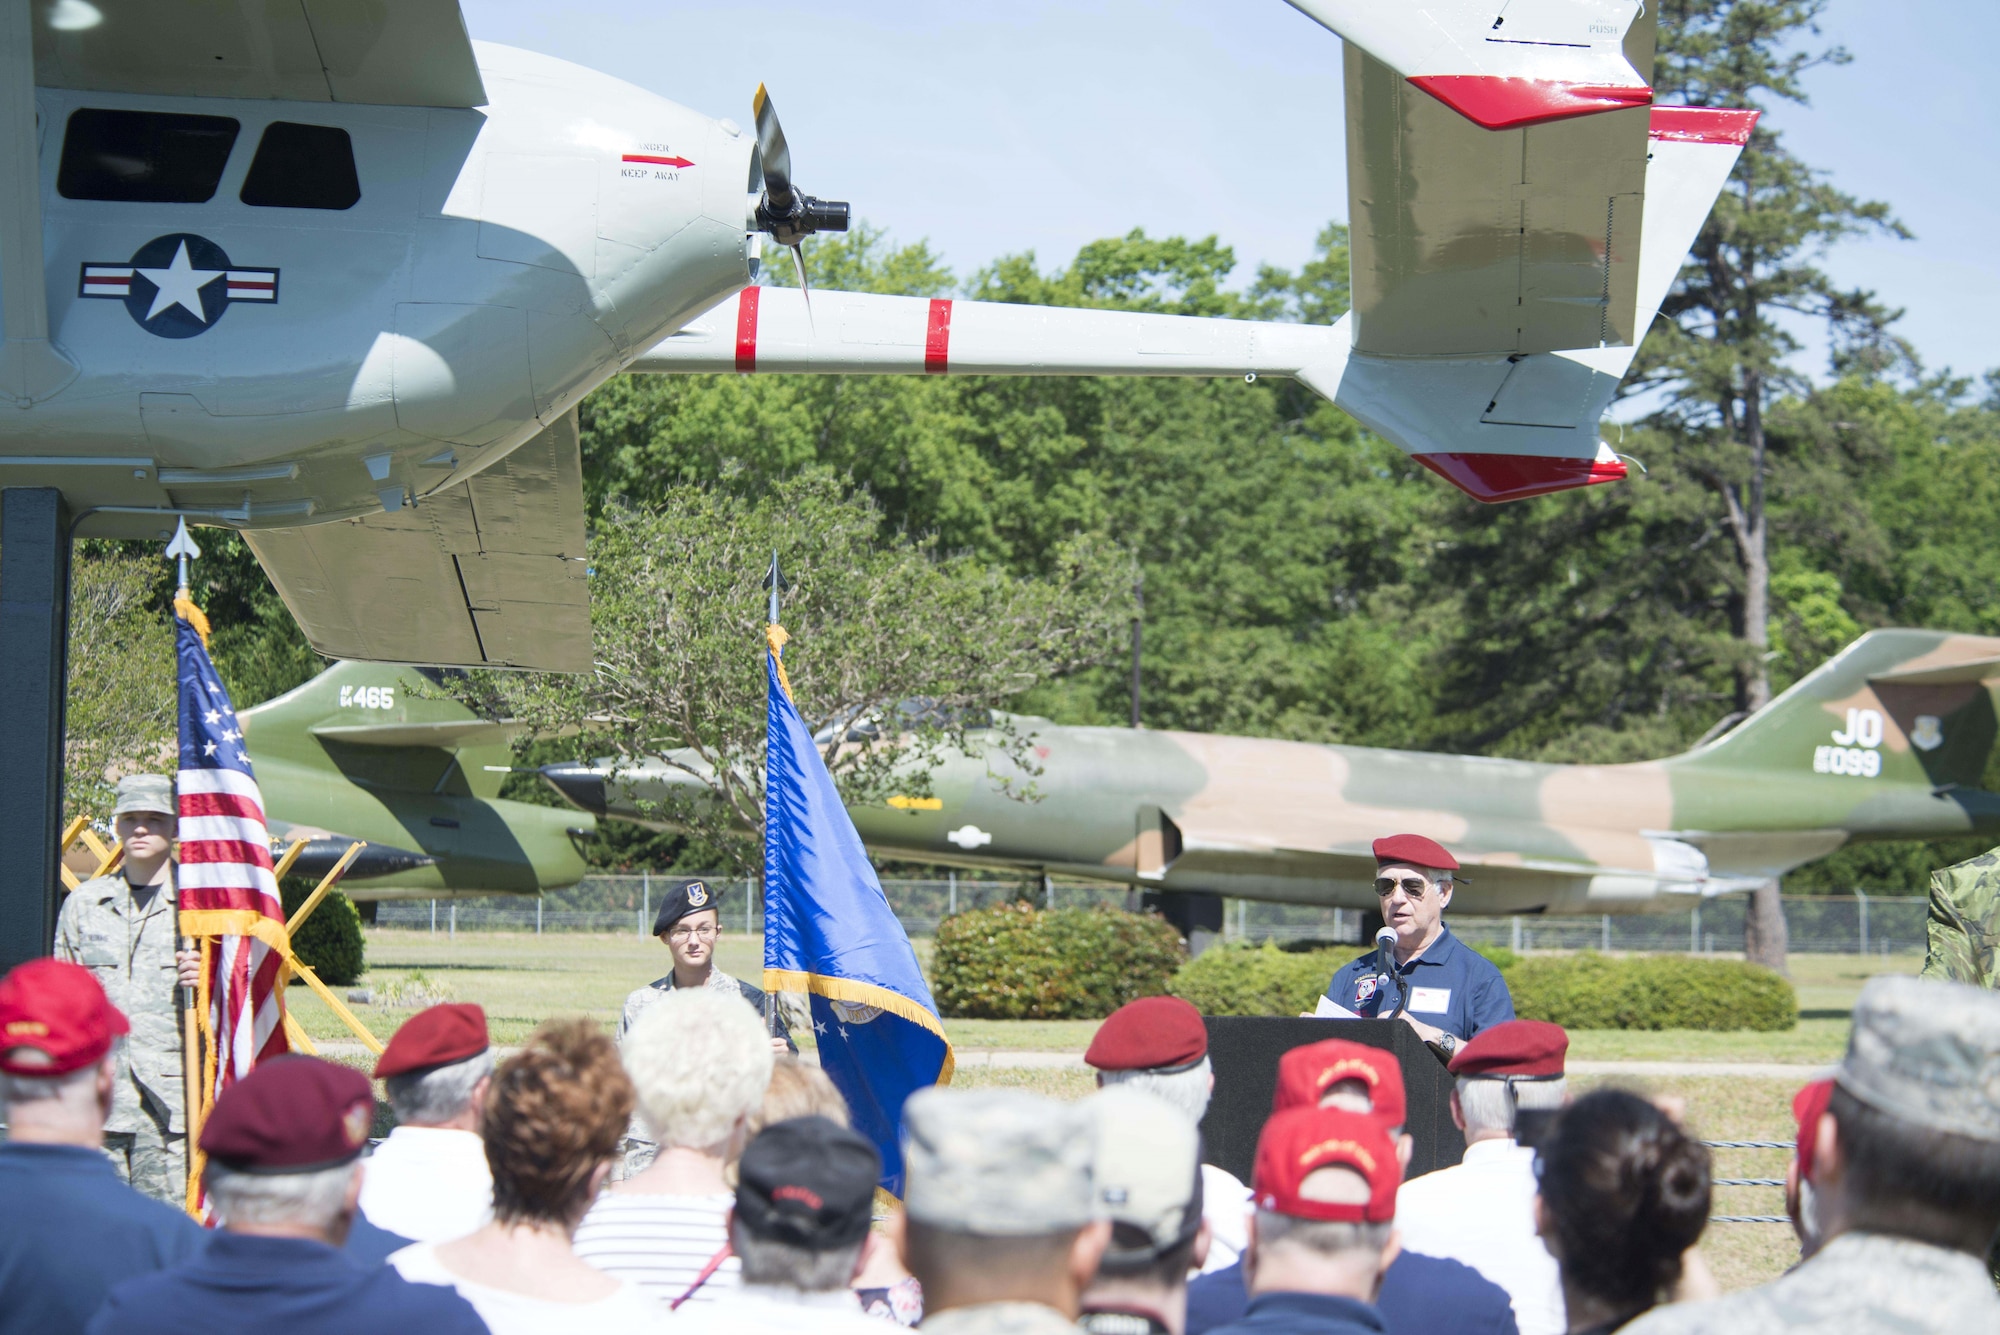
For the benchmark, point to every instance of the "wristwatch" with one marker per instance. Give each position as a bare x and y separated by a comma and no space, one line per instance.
1446,1045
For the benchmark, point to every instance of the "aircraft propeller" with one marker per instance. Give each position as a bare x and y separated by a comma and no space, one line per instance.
787,213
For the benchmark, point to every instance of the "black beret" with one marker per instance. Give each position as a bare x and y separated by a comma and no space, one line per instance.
808,1182
682,898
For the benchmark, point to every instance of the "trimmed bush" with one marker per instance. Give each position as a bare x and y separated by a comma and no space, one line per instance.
1234,978
1592,991
330,941
1018,962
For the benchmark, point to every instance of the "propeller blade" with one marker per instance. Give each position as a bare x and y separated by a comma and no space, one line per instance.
777,157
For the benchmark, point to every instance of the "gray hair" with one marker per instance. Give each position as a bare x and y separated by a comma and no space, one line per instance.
767,1261
73,1088
311,1200
437,1093
1328,1237
700,1061
1187,1091
1487,1106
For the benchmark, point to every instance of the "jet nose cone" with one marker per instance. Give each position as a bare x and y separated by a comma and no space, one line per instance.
581,784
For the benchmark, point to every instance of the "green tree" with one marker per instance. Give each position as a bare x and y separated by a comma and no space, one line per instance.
1722,353
120,715
890,639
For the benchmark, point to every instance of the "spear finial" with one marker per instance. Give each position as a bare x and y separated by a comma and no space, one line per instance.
774,580
183,547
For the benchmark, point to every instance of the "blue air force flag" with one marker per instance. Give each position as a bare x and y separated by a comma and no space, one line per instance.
829,932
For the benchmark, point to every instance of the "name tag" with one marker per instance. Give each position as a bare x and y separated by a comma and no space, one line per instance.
1430,1000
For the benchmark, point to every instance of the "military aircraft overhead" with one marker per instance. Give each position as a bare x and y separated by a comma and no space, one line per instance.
364,751
438,247
1888,740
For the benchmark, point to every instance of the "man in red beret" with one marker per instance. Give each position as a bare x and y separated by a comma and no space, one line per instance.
1324,1234
1160,1045
1481,1211
284,1173
1441,988
70,1229
1808,1106
429,1180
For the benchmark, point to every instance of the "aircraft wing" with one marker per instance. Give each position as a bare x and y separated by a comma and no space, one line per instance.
405,53
445,735
488,573
1463,384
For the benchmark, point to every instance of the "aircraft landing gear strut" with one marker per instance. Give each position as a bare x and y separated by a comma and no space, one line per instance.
34,645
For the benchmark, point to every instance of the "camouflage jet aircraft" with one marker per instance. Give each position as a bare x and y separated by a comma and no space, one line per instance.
1888,740
361,752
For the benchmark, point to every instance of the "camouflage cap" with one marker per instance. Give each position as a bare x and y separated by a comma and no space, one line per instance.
1146,1173
145,792
1928,1053
996,1162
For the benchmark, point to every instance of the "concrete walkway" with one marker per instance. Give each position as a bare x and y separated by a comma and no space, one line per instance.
973,1058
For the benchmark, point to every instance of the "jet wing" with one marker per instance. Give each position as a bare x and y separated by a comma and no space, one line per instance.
488,573
404,53
445,735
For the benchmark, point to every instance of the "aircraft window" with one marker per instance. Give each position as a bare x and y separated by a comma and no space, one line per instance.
302,167
144,157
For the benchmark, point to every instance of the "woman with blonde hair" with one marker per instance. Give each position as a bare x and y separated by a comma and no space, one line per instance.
551,1125
701,1062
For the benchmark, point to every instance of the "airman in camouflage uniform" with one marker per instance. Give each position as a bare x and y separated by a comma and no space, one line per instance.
999,1164
1965,922
1925,1056
127,936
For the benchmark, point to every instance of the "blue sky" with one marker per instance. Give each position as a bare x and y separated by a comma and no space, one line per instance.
991,129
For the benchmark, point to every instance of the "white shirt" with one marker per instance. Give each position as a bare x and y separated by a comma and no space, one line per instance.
428,1183
626,1311
661,1242
1225,1204
771,1309
1482,1213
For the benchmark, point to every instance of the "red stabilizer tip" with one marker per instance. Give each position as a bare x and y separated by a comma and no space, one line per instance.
1513,477
1508,104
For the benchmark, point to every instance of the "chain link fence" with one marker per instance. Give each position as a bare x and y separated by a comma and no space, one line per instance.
1852,924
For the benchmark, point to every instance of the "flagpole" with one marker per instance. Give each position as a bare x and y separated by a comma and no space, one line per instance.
193,1094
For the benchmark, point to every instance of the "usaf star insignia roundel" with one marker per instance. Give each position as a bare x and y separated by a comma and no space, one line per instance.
178,285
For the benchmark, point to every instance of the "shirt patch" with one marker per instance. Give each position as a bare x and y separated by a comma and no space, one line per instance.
1365,988
1430,1000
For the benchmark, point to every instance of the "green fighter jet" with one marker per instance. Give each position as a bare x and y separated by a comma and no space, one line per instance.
1886,741
365,751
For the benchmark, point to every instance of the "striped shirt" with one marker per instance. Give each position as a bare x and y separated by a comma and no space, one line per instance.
661,1243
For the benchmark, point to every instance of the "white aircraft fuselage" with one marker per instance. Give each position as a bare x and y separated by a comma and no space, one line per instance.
266,366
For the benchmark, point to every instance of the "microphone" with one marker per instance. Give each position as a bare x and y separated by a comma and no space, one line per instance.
1385,964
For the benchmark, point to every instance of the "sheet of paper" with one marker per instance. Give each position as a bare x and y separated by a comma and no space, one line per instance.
1329,1009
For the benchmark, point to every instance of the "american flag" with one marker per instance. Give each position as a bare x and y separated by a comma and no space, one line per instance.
227,890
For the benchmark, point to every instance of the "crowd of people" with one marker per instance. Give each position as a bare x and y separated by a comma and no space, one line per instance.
500,1202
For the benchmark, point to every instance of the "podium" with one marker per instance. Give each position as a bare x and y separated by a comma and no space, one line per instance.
1244,1052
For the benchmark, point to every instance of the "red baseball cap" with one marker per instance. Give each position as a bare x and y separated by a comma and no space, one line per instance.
1306,1074
1808,1106
1413,850
435,1037
59,1010
1532,1049
1298,1142
292,1114
1162,1034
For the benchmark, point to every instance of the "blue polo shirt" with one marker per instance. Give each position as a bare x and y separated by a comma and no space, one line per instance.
1421,1295
1450,985
69,1230
243,1285
1306,1314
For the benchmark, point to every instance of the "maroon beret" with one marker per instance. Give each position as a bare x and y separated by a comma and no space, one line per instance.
443,1034
292,1114
59,1010
1529,1048
1413,850
1162,1034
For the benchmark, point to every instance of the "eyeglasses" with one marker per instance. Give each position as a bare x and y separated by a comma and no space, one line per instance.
1413,886
706,932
